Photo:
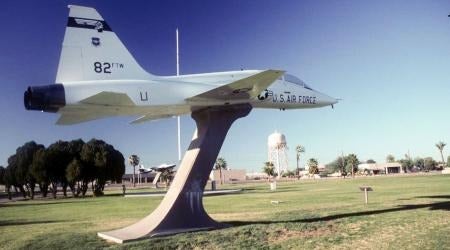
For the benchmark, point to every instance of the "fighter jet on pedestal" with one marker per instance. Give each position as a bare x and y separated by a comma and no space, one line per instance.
97,77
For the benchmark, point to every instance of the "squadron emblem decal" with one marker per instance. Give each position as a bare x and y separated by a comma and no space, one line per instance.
95,41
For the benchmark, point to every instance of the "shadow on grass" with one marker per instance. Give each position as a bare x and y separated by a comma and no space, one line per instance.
38,203
20,223
250,188
217,192
223,194
445,205
112,195
435,197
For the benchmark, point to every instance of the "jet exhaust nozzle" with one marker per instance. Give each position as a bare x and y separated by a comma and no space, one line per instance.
48,98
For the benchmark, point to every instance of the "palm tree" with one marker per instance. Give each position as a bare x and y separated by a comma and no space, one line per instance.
313,166
134,161
440,145
166,176
299,149
341,163
353,162
269,169
220,164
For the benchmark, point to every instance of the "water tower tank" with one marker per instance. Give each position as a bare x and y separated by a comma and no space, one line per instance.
277,152
276,140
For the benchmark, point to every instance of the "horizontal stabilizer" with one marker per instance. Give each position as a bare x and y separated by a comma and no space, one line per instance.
247,88
109,99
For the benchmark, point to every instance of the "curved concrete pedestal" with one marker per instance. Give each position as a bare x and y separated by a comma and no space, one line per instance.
182,210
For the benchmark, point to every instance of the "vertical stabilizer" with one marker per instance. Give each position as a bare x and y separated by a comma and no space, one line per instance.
92,51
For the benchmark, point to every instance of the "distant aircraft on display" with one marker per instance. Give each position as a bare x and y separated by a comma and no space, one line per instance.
163,167
144,170
97,77
160,168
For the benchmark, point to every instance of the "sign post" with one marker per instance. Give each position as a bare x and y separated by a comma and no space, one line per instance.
366,195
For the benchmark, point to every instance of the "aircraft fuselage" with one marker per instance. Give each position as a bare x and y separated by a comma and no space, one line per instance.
171,93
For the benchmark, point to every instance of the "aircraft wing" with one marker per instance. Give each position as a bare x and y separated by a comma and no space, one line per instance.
71,118
246,88
161,112
149,117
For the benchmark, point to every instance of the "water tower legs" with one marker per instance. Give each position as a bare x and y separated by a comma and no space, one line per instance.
182,210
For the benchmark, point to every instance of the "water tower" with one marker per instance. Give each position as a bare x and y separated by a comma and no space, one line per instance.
277,152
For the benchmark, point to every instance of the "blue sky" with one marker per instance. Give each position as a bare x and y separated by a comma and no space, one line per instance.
388,60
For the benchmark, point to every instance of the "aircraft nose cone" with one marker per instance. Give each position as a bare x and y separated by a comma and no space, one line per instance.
328,100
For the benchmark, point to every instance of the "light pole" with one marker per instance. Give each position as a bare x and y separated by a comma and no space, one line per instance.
178,117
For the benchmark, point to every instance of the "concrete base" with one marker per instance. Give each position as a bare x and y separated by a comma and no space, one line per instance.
182,210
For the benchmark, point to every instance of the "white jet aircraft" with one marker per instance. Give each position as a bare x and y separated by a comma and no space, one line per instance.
97,77
163,167
144,170
160,168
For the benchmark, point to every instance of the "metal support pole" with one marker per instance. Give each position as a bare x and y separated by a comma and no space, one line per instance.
178,117
278,164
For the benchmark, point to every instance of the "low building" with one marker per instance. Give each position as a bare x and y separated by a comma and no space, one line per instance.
256,176
381,168
305,172
144,177
228,175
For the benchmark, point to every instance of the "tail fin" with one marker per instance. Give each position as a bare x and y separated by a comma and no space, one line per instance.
92,51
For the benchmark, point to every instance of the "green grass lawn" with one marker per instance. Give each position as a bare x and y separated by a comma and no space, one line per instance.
405,212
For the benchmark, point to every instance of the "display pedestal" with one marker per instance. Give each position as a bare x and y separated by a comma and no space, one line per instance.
182,210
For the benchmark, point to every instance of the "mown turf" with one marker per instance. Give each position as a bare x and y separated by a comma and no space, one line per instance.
404,212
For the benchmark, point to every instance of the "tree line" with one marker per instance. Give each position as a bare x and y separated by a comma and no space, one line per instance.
66,164
348,165
417,164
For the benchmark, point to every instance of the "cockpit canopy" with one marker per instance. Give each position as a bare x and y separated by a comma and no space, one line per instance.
295,80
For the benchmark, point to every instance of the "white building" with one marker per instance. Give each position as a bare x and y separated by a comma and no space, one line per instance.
256,176
228,175
381,168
